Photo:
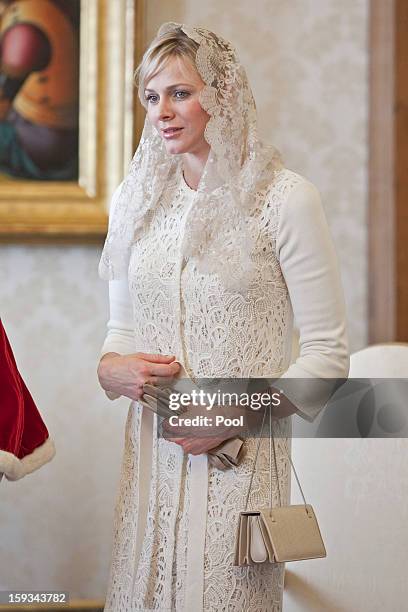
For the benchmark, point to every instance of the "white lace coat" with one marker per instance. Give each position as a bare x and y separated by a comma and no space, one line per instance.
176,516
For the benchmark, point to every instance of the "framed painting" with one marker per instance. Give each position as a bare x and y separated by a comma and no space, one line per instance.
69,118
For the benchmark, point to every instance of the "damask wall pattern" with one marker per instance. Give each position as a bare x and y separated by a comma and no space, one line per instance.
307,62
56,524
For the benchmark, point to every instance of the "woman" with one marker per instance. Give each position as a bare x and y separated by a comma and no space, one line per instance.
213,248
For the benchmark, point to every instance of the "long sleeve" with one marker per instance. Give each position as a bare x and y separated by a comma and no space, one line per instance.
309,264
120,335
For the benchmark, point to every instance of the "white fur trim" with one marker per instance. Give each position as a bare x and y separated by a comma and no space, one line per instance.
15,468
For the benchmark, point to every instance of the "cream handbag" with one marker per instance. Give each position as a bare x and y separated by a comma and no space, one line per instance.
283,533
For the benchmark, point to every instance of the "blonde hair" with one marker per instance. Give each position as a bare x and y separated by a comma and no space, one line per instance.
162,48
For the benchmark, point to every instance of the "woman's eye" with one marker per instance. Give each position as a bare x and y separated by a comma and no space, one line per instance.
181,94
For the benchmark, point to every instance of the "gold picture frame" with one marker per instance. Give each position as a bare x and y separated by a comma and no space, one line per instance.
110,121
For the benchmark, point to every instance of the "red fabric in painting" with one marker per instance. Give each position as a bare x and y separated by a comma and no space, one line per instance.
22,429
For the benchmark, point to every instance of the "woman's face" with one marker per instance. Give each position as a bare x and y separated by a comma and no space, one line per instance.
172,102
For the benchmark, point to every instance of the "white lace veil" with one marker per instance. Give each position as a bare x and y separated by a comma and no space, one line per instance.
219,231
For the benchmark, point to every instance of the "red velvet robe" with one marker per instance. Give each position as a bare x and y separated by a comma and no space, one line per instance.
24,441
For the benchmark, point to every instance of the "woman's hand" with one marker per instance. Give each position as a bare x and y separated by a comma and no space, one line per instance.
126,374
199,439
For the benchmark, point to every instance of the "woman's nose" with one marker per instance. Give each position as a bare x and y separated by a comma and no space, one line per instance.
164,109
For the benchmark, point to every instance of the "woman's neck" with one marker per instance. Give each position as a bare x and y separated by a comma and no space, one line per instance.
193,167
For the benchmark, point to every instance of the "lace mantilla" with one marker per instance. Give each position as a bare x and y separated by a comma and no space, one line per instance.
220,230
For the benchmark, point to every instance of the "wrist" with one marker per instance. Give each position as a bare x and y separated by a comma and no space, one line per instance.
104,368
110,355
106,360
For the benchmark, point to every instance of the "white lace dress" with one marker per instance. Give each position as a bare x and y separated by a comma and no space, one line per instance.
176,516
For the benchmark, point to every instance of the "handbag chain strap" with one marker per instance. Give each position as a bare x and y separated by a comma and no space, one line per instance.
271,449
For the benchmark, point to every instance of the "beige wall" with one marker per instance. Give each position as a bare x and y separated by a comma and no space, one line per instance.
55,524
307,62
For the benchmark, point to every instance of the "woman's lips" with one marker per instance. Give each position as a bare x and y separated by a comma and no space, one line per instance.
171,133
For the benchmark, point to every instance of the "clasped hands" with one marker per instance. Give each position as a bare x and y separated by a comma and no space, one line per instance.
127,374
198,430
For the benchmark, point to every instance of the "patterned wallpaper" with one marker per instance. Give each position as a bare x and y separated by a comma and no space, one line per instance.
55,524
307,62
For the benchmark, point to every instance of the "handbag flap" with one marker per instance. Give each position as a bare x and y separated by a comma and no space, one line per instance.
294,532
